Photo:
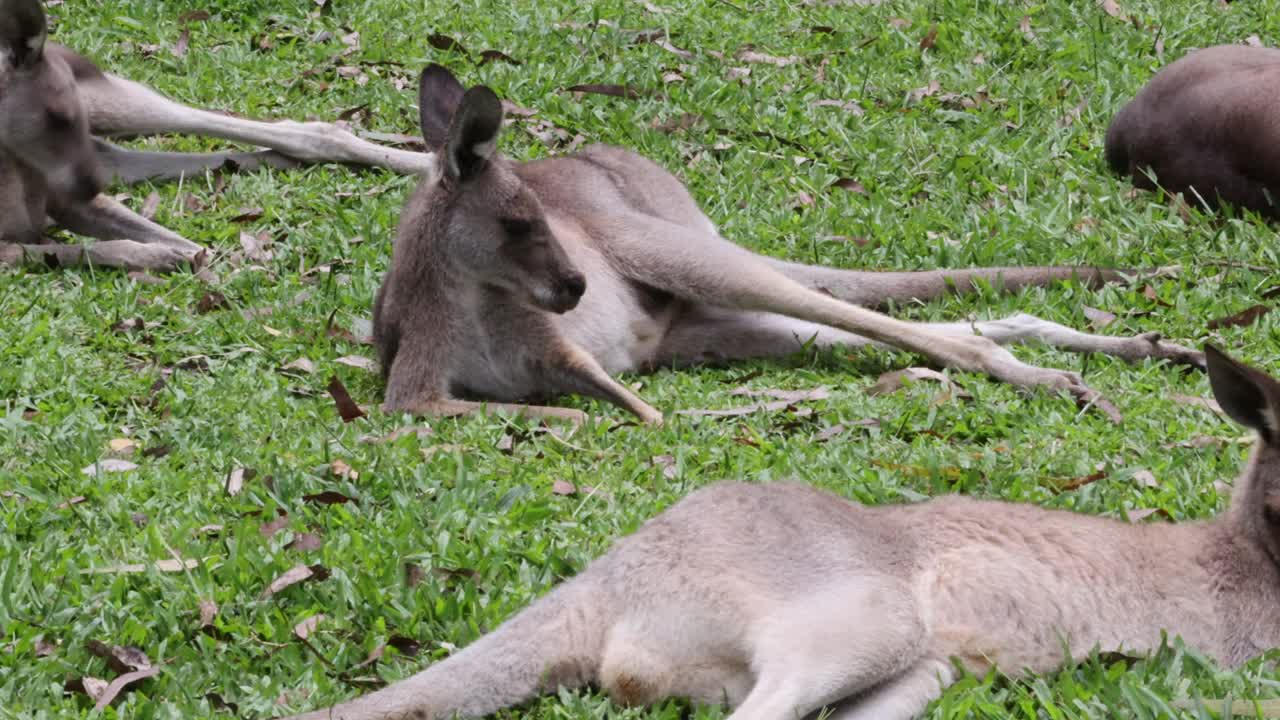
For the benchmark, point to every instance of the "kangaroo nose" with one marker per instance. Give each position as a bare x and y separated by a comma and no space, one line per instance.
574,285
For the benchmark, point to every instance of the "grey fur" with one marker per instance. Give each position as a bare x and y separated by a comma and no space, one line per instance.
470,309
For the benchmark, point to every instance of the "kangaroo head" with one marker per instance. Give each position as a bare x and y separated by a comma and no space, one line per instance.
1252,398
43,124
493,226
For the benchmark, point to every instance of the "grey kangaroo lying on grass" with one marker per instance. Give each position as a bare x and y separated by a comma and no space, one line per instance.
517,280
783,599
54,102
1206,125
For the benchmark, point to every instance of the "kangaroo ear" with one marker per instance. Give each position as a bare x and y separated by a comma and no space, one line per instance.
473,134
439,94
23,30
1248,396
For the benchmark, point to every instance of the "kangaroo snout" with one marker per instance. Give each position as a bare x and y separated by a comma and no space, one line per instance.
568,291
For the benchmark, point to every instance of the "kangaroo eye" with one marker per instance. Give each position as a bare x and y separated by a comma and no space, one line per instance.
516,227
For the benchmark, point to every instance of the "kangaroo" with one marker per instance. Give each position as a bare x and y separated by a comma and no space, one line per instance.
53,104
523,280
1205,125
782,599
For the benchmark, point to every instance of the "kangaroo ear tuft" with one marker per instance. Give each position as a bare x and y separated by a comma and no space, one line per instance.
439,94
473,134
1248,396
23,30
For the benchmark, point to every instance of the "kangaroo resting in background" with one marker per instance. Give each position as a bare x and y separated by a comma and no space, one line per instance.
513,280
1206,125
783,599
54,102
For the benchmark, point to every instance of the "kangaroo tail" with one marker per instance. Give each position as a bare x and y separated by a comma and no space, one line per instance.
556,642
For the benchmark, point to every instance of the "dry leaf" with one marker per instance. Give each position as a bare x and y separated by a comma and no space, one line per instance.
1244,318
329,497
292,576
347,408
774,406
899,23
120,683
108,465
1111,8
341,469
848,106
121,658
668,465
211,301
414,574
305,542
304,629
357,361
208,612
159,566
801,200
1195,401
91,686
923,92
849,184
563,487
897,379
44,648
1150,293
1098,318
489,56
1138,515
122,447
827,433
76,500
236,478
179,48
1146,478
930,38
302,364
1253,40
1024,26
150,206
275,525
752,56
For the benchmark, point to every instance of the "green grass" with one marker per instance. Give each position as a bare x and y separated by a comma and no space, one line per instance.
1005,182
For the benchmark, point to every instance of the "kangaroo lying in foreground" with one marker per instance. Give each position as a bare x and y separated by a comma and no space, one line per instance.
52,104
783,599
516,280
1206,125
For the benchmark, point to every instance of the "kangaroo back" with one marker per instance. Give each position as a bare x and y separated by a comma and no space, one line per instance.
556,642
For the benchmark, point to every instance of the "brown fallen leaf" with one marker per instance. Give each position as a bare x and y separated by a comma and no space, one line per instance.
120,658
211,301
683,122
898,23
444,42
930,38
358,361
1253,40
44,648
236,478
1244,318
303,365
170,565
1098,319
668,465
801,200
1141,514
1196,401
622,91
193,16
94,687
405,646
1111,8
122,447
1150,293
563,487
772,406
150,206
347,408
1146,478
120,683
895,380
304,629
850,185
305,542
280,522
923,92
340,468
208,612
1024,26
329,497
751,56
293,576
489,56
179,49
414,574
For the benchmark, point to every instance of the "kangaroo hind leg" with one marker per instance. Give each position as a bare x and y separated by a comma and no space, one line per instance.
834,644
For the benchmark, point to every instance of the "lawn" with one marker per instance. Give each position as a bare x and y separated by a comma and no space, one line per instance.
895,135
